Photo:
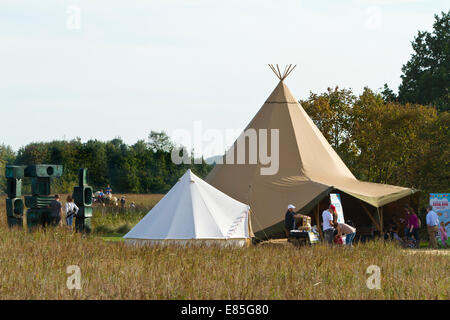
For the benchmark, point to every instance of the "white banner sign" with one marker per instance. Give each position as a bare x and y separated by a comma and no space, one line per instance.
335,200
441,205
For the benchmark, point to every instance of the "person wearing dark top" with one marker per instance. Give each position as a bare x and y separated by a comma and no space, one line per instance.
413,225
55,211
289,219
123,200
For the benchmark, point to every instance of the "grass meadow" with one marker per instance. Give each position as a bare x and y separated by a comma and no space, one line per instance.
33,266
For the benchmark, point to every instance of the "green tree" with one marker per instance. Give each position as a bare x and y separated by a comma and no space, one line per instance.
160,141
7,156
387,94
432,167
92,155
145,167
426,76
36,152
387,138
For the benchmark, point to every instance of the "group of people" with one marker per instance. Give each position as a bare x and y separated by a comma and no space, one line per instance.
411,226
57,215
333,230
108,198
102,197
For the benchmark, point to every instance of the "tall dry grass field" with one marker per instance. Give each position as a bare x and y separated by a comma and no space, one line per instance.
115,220
33,266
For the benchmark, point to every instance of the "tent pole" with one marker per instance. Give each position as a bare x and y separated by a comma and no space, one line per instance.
318,221
378,216
382,218
370,216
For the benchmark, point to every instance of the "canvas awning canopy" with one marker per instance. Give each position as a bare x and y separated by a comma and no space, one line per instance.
194,211
308,169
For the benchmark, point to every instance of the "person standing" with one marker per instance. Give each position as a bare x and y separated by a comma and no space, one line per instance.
100,196
443,233
71,210
289,219
328,229
56,213
123,200
348,231
413,225
406,221
335,218
432,226
108,190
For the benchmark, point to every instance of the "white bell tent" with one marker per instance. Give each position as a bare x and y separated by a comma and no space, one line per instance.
194,212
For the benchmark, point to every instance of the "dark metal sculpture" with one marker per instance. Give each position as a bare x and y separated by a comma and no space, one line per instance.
39,212
83,198
14,202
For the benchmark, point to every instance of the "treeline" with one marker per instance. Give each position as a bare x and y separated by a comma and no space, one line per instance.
426,76
144,167
384,141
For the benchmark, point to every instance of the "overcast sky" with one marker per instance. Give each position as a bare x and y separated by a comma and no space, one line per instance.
99,69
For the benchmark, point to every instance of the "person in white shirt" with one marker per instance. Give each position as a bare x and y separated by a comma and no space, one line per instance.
328,229
432,226
71,210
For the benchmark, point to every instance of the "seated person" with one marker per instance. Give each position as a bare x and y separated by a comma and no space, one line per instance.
393,233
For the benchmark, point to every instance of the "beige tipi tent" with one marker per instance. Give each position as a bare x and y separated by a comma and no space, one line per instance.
309,168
